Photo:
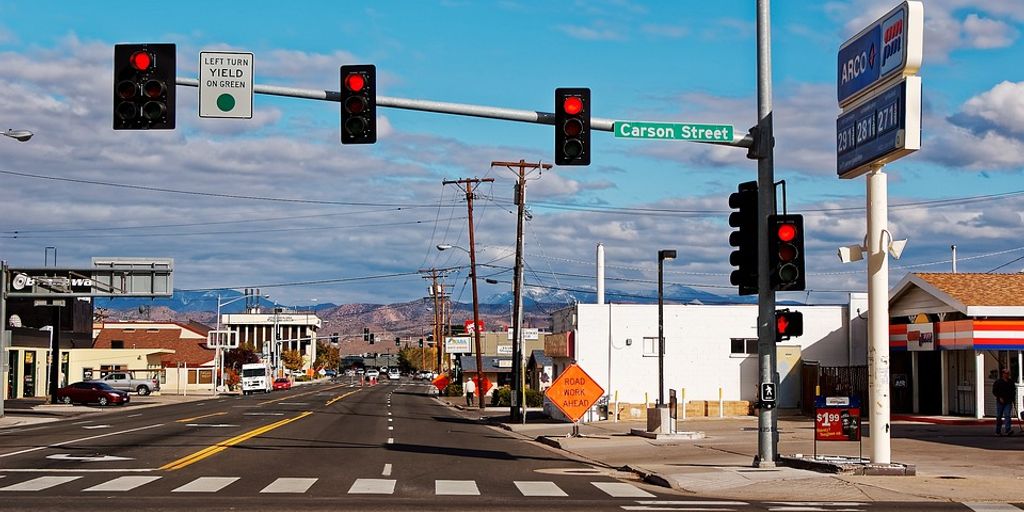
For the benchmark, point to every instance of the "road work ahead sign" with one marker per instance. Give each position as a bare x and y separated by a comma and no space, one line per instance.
574,392
225,84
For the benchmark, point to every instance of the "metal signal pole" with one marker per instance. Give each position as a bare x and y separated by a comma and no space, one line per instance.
470,186
517,411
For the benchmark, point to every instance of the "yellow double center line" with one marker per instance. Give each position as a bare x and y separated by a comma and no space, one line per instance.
223,445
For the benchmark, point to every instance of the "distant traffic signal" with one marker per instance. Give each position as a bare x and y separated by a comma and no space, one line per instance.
744,239
572,126
788,324
144,80
398,342
366,334
359,104
421,342
786,252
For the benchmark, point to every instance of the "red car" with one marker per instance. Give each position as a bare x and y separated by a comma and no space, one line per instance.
282,383
92,392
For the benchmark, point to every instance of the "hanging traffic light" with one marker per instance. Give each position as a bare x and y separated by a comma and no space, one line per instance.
786,252
371,338
788,324
421,342
572,126
366,334
144,80
359,104
744,239
398,342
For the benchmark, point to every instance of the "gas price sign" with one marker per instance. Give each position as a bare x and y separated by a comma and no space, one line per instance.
884,128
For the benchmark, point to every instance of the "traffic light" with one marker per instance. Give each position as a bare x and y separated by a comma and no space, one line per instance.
371,338
366,334
788,324
144,80
398,342
786,252
744,239
359,104
421,342
572,126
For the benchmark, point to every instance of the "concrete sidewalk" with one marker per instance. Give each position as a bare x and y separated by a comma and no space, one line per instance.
956,463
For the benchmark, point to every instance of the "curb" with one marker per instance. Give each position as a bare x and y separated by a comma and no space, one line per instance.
652,477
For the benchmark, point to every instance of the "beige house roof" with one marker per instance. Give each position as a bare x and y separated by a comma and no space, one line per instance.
998,295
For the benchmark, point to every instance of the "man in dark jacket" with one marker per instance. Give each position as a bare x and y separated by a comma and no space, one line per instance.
1005,392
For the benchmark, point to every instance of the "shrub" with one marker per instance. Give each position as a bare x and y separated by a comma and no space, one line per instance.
454,389
502,397
534,398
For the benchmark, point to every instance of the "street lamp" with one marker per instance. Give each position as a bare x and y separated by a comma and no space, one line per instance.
18,135
664,254
476,315
220,356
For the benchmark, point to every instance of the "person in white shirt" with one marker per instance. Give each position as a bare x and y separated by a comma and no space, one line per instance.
470,388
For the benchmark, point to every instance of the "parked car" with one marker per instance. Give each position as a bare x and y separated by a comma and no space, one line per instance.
125,381
393,374
331,373
372,374
282,383
92,392
425,375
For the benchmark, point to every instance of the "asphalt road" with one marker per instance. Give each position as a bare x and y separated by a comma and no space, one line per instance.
321,447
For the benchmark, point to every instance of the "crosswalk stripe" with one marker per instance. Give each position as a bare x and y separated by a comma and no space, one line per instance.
40,483
123,483
539,489
456,488
622,490
991,507
207,484
372,486
289,485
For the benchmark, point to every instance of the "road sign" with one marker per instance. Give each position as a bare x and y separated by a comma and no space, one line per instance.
889,48
883,128
768,392
225,84
673,131
574,392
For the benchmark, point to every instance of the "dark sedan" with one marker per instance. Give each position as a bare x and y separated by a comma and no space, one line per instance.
91,392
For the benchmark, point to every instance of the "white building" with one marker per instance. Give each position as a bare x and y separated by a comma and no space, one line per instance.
709,349
295,331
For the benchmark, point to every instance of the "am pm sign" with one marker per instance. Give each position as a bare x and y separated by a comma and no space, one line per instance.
574,392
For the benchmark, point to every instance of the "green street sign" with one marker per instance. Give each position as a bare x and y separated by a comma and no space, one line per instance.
673,131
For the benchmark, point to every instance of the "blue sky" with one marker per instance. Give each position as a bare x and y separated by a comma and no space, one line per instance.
663,61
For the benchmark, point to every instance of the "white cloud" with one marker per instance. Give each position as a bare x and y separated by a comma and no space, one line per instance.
593,33
986,33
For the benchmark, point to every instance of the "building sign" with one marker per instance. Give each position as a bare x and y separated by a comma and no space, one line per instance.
469,327
528,334
460,345
889,48
559,345
920,337
883,128
505,350
574,392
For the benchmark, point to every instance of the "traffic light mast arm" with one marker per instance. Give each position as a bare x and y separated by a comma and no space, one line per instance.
462,109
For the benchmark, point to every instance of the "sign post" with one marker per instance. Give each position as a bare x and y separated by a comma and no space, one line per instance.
225,84
574,393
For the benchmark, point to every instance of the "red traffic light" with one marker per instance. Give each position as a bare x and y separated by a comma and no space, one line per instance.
572,105
788,324
786,232
781,324
355,82
141,60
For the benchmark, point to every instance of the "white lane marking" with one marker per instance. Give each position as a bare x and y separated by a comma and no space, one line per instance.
391,440
82,422
123,483
387,470
390,427
389,414
539,489
818,503
456,488
210,425
390,419
683,508
38,484
289,485
207,484
134,415
66,470
372,486
72,441
86,458
622,490
991,507
263,414
293,403
94,427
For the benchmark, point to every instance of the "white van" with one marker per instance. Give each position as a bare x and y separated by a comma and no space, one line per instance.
256,377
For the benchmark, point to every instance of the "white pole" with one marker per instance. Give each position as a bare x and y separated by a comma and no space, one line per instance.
953,248
600,273
878,316
219,378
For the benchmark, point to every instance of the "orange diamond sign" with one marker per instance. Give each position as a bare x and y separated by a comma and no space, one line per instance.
574,392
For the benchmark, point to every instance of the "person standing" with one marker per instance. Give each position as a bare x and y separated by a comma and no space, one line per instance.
470,388
1006,394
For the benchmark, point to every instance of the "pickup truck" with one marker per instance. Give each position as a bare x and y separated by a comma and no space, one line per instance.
125,382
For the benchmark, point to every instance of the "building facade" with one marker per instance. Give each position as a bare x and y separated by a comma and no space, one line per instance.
272,333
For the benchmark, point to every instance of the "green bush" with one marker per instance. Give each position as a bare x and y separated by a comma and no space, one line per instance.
534,398
502,397
454,389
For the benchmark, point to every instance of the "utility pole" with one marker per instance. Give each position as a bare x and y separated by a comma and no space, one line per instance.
517,411
469,186
438,313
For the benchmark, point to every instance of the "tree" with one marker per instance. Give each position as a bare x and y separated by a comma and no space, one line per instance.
244,354
327,356
292,359
415,358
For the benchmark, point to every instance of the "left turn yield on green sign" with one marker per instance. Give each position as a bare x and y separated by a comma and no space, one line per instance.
225,84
